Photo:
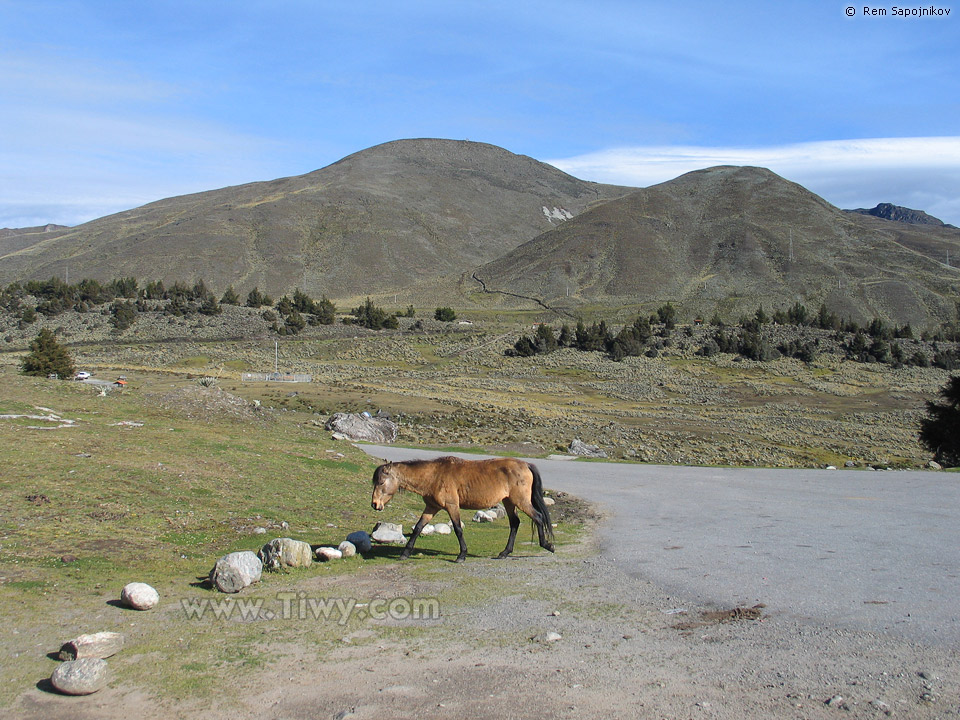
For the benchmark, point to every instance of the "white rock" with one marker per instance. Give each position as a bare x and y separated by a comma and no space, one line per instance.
139,596
80,677
236,571
482,516
547,637
94,645
347,549
548,500
388,533
428,529
328,553
443,529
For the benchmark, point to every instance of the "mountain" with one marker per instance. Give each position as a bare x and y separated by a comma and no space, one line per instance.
888,211
728,239
378,220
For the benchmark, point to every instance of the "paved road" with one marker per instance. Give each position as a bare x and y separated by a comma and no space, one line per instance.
878,551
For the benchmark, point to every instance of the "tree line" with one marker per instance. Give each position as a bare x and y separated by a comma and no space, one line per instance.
875,342
127,298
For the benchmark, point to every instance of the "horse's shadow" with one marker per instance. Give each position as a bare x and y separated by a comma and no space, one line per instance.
392,552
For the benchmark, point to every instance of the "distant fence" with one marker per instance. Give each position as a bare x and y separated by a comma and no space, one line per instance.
276,377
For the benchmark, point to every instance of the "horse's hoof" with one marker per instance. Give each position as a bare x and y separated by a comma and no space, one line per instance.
549,548
404,556
502,555
460,559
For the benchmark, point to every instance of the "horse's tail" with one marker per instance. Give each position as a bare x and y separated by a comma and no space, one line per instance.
536,499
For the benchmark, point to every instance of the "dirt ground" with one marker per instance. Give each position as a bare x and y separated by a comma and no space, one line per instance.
625,649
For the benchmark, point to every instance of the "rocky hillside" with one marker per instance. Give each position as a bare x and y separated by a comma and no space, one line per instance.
898,213
378,220
728,239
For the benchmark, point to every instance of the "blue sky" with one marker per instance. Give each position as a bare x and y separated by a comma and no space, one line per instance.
108,105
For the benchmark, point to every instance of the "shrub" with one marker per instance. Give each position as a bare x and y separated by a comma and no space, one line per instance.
940,430
444,314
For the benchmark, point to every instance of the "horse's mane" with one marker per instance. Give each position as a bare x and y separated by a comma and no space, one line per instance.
448,460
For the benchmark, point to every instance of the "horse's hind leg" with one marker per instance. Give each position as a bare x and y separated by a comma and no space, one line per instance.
426,517
539,520
514,526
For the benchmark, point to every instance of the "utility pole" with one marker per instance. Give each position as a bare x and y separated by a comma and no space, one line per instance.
276,357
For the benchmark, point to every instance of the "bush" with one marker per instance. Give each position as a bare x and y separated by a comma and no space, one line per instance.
123,314
370,316
47,357
444,314
940,430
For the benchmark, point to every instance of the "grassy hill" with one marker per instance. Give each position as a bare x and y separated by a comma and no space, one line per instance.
378,220
729,239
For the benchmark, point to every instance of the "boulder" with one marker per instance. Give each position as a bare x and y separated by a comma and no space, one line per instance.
443,529
80,677
347,549
94,645
934,465
385,532
285,552
360,540
362,427
235,571
580,448
328,553
139,596
428,529
484,516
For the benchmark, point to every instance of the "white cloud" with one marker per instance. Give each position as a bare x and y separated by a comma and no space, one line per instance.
922,173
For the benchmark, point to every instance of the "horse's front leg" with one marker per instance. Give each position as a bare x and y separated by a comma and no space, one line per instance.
454,512
426,517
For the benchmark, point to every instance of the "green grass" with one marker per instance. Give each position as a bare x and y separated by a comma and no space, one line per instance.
95,506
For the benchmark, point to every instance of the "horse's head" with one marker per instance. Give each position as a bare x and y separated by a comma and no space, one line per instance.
386,482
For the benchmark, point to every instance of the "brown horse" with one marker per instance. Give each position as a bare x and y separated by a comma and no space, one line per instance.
449,483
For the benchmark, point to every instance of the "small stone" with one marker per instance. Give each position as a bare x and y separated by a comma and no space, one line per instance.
547,637
285,552
443,529
360,540
836,701
830,467
934,465
482,516
347,549
388,533
881,706
850,464
547,500
428,529
139,596
94,645
328,553
260,531
67,559
80,677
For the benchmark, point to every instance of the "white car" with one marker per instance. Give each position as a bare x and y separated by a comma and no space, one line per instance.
82,375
